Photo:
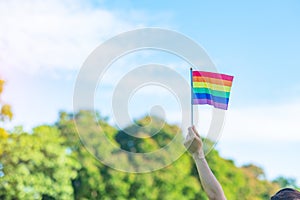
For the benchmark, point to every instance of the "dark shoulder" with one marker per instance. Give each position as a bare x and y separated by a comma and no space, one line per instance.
286,194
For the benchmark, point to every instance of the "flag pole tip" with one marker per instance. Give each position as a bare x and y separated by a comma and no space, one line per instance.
191,68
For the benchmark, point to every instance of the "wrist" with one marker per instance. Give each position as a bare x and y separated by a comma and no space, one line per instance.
198,154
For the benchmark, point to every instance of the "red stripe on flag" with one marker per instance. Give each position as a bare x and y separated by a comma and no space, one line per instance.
212,75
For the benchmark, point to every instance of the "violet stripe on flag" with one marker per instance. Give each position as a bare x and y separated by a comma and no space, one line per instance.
210,102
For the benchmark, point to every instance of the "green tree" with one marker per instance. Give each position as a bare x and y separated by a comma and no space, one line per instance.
52,163
36,166
177,181
5,112
92,177
286,182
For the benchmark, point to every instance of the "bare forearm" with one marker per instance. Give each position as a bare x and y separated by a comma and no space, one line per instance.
209,182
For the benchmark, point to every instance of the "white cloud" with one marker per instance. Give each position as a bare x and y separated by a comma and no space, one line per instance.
54,34
267,135
264,123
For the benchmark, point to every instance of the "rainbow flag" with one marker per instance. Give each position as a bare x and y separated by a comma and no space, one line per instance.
211,88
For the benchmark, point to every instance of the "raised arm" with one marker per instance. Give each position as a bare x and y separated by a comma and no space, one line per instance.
209,182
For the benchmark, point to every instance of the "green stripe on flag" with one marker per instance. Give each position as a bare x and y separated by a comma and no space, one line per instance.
212,92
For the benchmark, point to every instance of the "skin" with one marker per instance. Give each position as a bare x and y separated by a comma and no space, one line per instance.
211,186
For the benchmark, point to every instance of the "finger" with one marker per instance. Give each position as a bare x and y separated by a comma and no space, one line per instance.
195,131
190,132
188,143
189,137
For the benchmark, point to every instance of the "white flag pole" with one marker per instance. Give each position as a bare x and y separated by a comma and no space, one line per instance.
192,112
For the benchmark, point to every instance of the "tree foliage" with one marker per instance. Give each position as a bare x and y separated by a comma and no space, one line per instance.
5,112
52,163
285,182
36,166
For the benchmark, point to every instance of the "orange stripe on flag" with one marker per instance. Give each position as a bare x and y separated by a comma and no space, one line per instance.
212,80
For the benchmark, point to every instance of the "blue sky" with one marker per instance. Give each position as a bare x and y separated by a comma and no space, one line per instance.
44,43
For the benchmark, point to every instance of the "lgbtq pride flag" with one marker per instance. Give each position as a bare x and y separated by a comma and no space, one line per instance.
211,88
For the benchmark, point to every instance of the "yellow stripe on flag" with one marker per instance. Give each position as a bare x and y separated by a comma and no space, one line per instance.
211,86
